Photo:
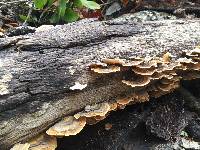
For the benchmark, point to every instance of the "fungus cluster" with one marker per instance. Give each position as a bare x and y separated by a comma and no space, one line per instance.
149,78
152,77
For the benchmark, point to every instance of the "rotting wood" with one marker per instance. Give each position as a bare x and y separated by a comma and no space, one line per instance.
38,70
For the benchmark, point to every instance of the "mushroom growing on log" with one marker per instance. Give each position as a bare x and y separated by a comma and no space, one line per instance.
61,72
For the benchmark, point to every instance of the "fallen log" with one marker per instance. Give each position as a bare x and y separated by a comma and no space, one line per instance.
88,68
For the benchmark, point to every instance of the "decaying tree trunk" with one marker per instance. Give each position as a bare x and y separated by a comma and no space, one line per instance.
58,71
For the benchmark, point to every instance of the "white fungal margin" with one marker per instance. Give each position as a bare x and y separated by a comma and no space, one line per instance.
78,86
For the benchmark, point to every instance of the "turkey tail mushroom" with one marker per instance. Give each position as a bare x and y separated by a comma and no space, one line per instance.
68,126
41,142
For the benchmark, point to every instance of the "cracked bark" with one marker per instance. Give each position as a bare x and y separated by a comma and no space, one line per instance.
38,69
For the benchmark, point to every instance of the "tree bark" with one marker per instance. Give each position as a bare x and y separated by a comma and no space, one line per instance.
38,71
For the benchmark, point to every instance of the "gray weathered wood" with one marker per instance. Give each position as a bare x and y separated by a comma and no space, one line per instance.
38,69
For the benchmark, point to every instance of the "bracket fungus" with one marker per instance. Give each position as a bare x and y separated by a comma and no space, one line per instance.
156,76
121,62
145,72
140,81
66,127
96,113
136,97
148,78
21,147
109,69
95,110
41,142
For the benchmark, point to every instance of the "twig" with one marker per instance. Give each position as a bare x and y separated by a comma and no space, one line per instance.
29,14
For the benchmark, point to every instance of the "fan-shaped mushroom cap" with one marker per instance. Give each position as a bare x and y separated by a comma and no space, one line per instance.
123,101
113,106
41,142
139,82
138,96
144,72
108,69
95,110
166,87
66,127
95,119
189,64
21,146
196,51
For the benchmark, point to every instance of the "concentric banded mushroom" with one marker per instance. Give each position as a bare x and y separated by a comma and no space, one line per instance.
21,147
41,142
140,81
66,127
106,70
133,57
95,110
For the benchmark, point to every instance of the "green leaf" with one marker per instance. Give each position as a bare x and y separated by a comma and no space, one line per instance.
62,7
78,3
40,3
70,15
50,3
26,18
54,18
23,18
90,4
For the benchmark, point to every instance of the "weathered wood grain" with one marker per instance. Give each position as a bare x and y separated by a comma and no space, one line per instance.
38,70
